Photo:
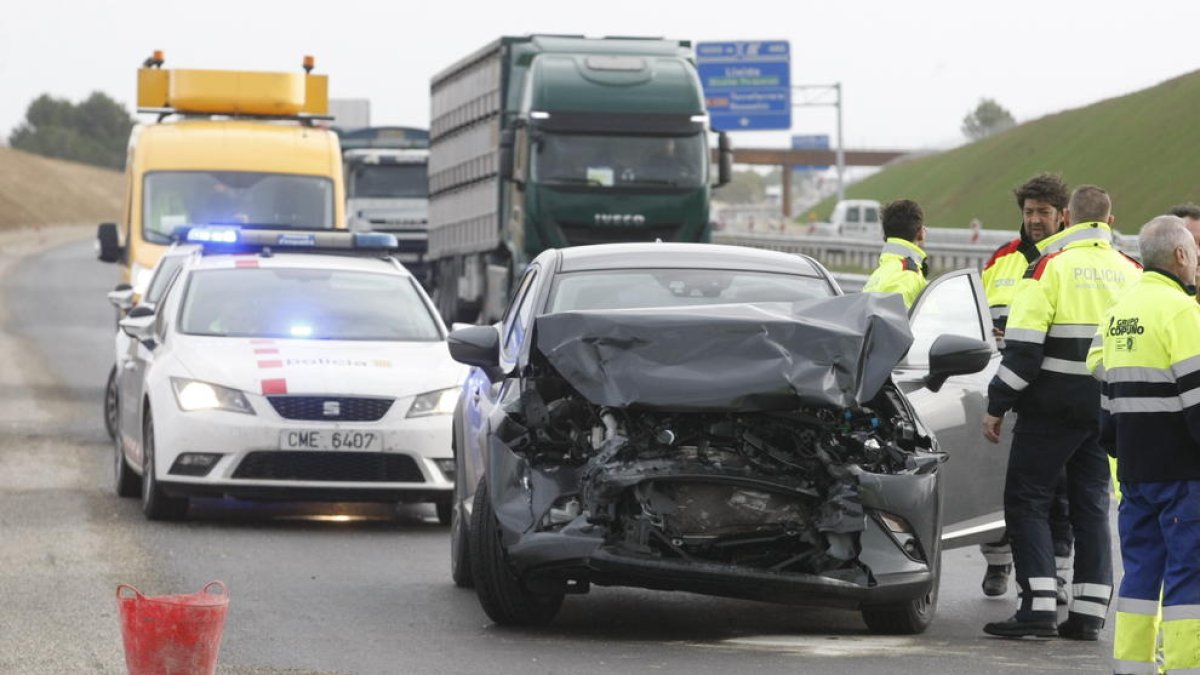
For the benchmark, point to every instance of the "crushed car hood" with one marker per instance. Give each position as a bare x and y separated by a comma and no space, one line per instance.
833,351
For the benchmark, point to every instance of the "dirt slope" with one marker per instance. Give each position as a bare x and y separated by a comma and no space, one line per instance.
36,191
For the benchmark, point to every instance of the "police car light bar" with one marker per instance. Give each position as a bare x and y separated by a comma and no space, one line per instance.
224,238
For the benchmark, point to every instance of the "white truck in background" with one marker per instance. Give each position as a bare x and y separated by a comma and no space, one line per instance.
857,218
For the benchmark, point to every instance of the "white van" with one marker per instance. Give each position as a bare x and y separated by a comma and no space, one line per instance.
857,218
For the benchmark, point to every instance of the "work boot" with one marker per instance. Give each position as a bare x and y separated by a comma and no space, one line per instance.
1060,597
1080,628
995,580
1015,628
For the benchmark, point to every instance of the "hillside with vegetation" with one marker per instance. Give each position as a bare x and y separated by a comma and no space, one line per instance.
1144,148
36,191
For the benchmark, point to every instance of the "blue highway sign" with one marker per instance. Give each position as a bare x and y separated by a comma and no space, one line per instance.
810,142
747,85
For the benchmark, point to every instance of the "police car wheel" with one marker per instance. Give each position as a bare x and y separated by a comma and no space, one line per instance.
444,514
502,593
156,505
110,403
125,481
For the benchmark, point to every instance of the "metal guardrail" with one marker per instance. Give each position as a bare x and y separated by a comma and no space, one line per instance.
849,253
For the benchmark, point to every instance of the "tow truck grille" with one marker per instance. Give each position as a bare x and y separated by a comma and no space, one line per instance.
331,408
359,467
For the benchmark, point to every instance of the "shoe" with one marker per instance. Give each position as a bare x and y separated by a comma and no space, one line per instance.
995,580
1015,628
1076,629
1061,597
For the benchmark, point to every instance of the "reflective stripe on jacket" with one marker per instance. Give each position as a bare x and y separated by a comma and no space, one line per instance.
1147,354
1007,267
901,270
1052,320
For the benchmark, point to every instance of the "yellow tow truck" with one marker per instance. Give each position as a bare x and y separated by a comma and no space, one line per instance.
227,147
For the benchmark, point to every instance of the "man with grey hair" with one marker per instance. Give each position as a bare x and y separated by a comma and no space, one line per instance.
1043,377
1147,354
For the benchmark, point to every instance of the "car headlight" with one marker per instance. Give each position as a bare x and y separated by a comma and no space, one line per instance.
192,395
440,402
139,277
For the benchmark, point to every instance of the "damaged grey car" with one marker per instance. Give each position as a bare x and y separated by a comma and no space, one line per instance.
718,420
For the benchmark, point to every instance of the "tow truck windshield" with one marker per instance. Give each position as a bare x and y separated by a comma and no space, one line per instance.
173,199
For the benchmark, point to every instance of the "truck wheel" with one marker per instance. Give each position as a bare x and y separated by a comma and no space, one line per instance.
504,598
905,618
155,503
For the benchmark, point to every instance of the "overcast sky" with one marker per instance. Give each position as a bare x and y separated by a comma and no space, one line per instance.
910,69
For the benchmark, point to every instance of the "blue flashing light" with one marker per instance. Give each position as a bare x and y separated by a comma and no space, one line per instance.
380,240
213,235
300,330
298,240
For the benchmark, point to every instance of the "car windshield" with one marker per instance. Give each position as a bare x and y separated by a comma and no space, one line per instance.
630,289
389,181
317,304
173,199
620,161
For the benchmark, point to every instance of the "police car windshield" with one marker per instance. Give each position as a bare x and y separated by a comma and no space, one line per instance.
173,199
629,288
316,304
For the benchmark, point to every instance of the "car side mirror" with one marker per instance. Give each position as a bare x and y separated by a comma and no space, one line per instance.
476,346
724,159
108,243
955,355
141,311
140,328
121,297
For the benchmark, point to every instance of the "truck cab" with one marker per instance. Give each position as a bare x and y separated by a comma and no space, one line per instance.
227,147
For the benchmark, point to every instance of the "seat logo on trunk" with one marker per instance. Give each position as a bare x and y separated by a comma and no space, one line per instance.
333,409
619,219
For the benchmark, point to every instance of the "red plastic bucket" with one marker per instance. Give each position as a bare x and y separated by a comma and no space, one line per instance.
172,634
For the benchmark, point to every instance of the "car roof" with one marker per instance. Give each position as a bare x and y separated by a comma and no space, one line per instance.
328,261
678,255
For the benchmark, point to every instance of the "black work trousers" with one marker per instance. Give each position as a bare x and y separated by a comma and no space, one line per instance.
1041,449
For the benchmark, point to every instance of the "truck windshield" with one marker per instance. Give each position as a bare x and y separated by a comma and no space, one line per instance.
315,304
388,181
637,288
620,161
172,199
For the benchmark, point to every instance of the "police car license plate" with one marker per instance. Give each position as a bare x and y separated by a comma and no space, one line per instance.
329,439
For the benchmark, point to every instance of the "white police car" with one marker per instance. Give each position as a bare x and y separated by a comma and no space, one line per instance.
287,365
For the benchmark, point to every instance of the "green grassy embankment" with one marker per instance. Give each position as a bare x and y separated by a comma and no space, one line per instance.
37,191
1144,148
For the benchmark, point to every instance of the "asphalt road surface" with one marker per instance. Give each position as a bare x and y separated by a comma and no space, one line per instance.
343,588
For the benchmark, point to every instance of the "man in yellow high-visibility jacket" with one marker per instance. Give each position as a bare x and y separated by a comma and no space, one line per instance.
1044,377
1042,201
1147,354
902,267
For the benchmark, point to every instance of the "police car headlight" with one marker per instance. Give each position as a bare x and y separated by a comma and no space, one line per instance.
139,277
192,395
440,402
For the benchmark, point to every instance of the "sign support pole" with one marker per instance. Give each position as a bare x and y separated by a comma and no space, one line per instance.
816,95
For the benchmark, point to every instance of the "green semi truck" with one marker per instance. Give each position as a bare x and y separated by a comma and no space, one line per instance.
547,141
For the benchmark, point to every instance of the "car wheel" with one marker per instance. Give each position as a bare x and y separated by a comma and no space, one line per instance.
460,554
443,512
156,505
504,598
110,404
126,482
906,618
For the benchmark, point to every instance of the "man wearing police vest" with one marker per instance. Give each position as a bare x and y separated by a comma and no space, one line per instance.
1042,201
902,267
1147,354
1044,377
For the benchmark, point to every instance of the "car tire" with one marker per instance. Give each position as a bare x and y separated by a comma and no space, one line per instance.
503,597
125,481
905,618
156,505
460,542
111,409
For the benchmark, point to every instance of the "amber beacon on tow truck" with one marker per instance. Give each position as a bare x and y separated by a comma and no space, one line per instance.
226,148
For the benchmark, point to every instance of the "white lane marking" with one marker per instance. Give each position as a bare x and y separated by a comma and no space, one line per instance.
829,646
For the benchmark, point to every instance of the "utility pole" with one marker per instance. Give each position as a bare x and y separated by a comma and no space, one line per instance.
818,95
